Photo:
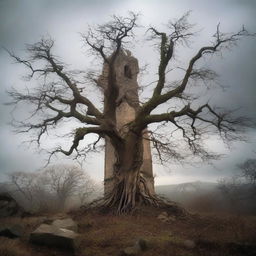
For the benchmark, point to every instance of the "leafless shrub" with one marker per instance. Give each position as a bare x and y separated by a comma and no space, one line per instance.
51,188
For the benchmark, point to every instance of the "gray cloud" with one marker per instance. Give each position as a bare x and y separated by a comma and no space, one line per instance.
26,21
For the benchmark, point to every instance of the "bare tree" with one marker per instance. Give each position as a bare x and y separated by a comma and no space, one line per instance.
248,171
246,178
61,96
66,181
50,188
86,191
27,189
240,189
23,183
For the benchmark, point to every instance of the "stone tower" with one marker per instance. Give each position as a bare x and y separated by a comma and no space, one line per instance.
126,69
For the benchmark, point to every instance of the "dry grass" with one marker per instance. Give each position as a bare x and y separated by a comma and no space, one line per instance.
10,247
21,246
214,234
224,228
105,234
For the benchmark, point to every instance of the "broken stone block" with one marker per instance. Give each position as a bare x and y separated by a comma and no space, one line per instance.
66,223
51,235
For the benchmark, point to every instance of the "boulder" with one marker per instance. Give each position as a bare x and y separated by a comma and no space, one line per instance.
9,207
51,235
11,231
66,224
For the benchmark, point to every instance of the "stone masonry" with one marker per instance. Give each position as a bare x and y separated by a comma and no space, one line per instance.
126,69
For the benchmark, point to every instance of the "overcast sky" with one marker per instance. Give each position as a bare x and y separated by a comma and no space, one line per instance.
26,21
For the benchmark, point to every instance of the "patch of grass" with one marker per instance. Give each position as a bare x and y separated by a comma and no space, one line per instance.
10,247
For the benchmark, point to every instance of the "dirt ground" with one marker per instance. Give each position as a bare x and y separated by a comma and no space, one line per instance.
106,234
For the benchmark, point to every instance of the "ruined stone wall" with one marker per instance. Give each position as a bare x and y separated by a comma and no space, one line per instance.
126,69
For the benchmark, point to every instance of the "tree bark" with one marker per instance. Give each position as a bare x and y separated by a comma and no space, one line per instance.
130,186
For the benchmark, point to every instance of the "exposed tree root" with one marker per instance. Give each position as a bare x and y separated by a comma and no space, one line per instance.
128,195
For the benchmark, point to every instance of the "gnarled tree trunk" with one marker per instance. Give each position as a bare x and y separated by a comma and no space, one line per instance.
129,185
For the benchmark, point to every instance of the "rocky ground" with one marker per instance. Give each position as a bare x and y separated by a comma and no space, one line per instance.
147,232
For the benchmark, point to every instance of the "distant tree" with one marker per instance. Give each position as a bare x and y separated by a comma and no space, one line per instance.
24,183
88,190
60,95
50,188
241,188
248,171
27,189
66,181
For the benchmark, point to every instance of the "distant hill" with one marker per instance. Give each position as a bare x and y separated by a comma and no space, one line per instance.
207,197
188,187
198,195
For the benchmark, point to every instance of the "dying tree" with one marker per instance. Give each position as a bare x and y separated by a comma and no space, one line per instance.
240,189
24,183
248,171
67,181
242,185
50,188
61,96
27,189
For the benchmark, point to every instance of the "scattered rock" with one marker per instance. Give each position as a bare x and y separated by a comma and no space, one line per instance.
171,218
131,251
163,215
140,245
51,235
189,244
165,218
11,231
9,206
66,224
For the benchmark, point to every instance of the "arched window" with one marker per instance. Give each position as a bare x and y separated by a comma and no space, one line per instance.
127,71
